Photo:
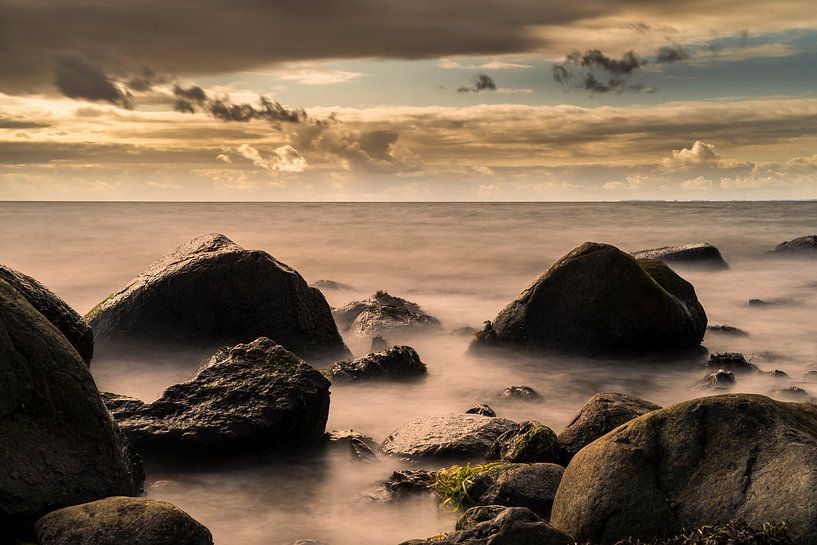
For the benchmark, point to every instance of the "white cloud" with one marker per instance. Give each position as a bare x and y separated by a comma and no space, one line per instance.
513,91
283,159
448,64
224,158
308,74
697,183
630,183
700,153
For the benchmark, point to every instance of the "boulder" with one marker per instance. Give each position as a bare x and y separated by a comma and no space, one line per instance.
249,398
58,444
55,310
211,292
598,299
118,521
702,462
447,436
512,485
520,393
701,254
801,246
730,361
602,413
486,410
383,314
497,525
531,442
717,380
399,362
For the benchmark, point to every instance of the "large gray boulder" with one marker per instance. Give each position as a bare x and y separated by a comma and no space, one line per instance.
384,314
702,462
498,525
598,299
210,292
58,444
121,521
56,311
396,363
249,398
602,413
801,246
701,254
462,436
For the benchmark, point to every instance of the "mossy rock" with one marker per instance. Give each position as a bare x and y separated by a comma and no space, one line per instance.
532,442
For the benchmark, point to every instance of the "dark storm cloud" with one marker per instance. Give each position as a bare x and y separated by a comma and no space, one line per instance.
213,36
581,71
671,53
480,82
192,99
78,77
594,59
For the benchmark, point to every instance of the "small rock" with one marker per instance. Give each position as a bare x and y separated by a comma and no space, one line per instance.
465,331
531,442
726,330
331,285
454,435
717,380
379,344
802,246
404,484
794,393
399,362
777,373
521,393
120,520
362,447
759,303
383,313
730,361
485,410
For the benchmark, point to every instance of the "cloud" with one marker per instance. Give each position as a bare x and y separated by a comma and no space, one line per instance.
312,75
595,59
479,83
580,71
191,99
697,183
448,64
78,77
630,183
282,159
700,153
671,53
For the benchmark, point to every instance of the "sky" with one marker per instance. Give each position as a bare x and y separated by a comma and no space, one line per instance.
421,100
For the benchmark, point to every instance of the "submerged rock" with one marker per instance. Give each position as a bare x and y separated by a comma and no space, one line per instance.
448,436
497,525
598,299
602,413
730,361
531,442
210,292
777,373
485,410
464,331
701,254
717,380
55,310
802,246
520,393
383,314
726,330
702,462
249,398
379,344
406,484
399,362
361,447
331,285
58,444
793,393
119,521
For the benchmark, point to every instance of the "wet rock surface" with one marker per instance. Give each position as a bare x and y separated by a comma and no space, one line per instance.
726,330
518,485
486,410
404,484
331,285
731,361
530,442
717,380
119,521
396,363
58,444
497,525
702,462
520,393
598,299
249,398
447,436
383,314
602,413
701,254
55,310
210,292
801,246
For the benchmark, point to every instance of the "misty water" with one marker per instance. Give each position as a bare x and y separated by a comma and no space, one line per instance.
462,263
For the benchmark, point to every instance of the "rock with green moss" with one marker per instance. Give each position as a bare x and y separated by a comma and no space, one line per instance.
396,363
55,310
601,414
498,525
249,398
58,444
119,521
499,483
703,462
531,442
600,300
210,292
700,254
